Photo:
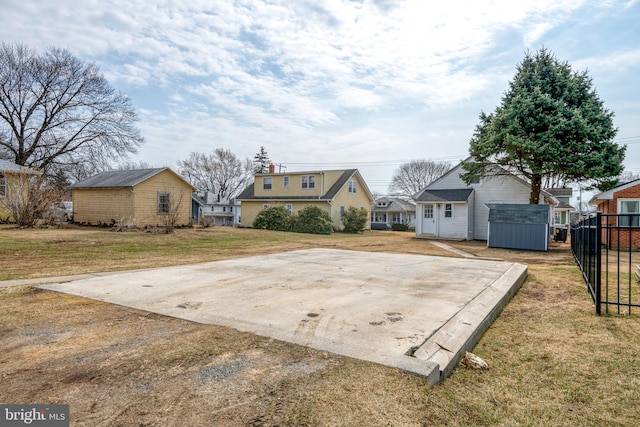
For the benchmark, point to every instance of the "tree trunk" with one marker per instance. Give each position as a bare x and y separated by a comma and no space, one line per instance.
536,184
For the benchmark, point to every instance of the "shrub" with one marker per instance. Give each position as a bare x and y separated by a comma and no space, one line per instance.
399,227
354,220
273,218
312,219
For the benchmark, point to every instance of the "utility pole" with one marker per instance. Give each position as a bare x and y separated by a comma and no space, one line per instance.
280,167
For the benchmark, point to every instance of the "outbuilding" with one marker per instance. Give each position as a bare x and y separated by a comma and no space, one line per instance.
519,226
141,197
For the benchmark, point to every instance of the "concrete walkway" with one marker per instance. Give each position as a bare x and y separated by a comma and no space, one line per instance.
414,312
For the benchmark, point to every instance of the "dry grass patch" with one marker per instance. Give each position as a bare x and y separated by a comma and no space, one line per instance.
552,360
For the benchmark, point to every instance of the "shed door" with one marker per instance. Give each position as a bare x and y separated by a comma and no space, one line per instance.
429,219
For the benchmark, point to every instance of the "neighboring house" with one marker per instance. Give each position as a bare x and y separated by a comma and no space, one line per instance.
209,207
331,190
562,211
393,210
142,196
623,199
12,178
448,208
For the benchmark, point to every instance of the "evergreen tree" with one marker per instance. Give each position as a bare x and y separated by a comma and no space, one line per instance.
551,123
261,161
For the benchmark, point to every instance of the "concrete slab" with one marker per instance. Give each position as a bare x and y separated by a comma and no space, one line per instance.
414,312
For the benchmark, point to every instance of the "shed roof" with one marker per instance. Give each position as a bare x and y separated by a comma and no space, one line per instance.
121,178
518,213
455,195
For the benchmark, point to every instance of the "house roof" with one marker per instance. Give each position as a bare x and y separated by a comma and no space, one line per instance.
518,213
608,195
121,178
562,205
7,166
249,194
560,192
499,171
454,195
199,200
394,204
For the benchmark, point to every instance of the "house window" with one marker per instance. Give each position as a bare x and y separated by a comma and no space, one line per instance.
3,186
352,187
342,210
308,181
230,208
285,181
164,202
289,207
395,217
265,206
266,183
629,206
428,211
448,210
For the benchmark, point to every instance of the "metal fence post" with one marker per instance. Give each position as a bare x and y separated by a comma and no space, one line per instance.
598,253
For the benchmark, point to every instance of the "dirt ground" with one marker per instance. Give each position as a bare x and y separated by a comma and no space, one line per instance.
122,367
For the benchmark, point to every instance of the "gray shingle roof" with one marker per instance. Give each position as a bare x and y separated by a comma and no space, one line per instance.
561,192
394,204
456,195
518,213
118,178
249,194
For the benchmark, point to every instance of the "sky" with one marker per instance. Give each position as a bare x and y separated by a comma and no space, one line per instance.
332,84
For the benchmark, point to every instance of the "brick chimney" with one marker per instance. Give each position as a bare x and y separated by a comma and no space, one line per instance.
272,168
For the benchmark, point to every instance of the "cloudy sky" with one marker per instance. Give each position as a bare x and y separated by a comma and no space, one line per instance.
331,84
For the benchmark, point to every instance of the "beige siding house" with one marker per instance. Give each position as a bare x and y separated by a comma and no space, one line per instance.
331,190
141,196
13,178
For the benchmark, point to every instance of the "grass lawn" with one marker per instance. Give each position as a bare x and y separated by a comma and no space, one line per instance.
552,360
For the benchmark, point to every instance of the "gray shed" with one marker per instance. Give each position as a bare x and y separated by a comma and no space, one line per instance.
519,226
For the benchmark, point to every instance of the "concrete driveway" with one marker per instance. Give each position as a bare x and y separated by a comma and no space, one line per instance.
414,312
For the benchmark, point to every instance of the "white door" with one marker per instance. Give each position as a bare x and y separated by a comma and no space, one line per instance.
428,219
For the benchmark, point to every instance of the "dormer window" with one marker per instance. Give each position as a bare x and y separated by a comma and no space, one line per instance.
308,181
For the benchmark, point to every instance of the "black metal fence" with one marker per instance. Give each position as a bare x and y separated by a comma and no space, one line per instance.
606,248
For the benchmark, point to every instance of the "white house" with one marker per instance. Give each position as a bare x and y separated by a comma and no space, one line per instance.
217,212
393,210
450,209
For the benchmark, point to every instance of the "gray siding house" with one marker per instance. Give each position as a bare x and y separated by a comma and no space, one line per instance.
448,208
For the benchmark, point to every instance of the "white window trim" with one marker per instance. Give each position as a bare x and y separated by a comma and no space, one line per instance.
619,206
308,180
353,185
264,183
444,210
289,207
286,181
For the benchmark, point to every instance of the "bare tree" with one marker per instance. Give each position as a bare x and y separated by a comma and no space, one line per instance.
220,172
170,210
412,177
57,112
27,199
